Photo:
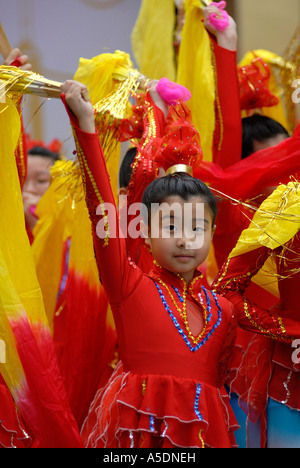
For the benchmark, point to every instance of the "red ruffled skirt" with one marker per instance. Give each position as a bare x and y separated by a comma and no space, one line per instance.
158,411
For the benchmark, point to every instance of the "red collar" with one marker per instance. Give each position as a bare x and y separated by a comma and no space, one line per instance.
176,280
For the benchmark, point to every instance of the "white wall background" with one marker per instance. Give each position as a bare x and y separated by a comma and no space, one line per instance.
55,34
266,24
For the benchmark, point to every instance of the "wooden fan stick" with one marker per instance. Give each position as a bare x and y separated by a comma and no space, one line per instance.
5,47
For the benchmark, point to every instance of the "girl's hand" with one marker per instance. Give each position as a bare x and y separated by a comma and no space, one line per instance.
226,38
159,102
16,58
76,96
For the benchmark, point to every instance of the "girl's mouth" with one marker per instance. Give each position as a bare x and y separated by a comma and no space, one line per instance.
183,258
32,210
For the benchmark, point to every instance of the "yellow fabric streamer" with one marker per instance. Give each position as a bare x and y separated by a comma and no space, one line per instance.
154,31
274,224
152,39
195,72
82,256
99,76
19,288
63,215
266,277
97,73
52,229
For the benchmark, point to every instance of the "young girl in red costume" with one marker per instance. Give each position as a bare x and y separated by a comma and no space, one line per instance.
163,393
40,159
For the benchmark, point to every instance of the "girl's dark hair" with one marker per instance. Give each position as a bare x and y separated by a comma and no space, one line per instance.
180,184
125,170
45,152
259,127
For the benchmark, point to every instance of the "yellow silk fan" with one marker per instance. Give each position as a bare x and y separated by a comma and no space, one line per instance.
110,80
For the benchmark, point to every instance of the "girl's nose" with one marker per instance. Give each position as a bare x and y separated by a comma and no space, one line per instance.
29,186
185,240
180,242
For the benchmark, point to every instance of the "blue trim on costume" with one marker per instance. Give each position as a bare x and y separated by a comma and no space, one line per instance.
196,404
208,302
178,327
178,294
152,428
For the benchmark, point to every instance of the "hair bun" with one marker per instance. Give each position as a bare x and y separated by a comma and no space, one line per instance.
181,144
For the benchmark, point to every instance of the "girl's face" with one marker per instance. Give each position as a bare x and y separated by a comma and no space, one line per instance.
36,184
180,234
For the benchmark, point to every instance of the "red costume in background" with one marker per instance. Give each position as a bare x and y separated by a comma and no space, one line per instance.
13,433
267,369
244,180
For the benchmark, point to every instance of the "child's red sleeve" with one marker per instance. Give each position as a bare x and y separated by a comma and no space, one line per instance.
232,281
228,133
116,273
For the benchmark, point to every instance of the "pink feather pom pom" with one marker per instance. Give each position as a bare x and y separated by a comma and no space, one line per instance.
172,92
216,22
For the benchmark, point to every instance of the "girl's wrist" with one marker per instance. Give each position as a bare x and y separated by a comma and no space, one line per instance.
228,39
227,36
87,124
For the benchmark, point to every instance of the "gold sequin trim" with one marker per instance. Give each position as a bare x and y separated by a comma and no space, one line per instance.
201,438
150,135
183,312
22,159
86,170
263,330
222,276
214,64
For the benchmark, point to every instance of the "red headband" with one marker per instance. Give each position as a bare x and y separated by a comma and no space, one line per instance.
54,146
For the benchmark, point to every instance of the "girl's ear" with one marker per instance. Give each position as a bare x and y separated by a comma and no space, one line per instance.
122,191
213,230
145,232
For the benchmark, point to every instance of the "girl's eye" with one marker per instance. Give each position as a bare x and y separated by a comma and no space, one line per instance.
198,229
170,227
